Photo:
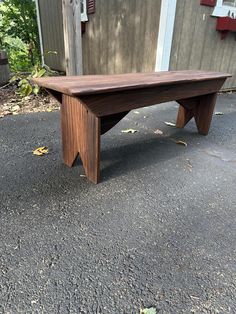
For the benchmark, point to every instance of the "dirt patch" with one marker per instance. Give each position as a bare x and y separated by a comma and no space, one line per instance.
12,103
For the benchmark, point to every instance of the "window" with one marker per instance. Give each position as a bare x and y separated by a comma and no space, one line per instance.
225,8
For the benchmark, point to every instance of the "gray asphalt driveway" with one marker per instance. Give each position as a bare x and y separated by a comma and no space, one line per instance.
158,231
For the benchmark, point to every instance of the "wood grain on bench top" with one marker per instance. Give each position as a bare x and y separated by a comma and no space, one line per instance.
96,84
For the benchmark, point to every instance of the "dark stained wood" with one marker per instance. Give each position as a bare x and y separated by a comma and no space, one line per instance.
201,108
108,122
203,113
184,116
106,104
96,84
91,105
56,95
80,134
186,111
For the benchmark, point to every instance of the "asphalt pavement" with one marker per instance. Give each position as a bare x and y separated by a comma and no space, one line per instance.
158,231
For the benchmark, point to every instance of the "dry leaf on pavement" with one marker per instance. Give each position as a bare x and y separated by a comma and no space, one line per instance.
158,132
181,143
151,310
170,124
40,151
129,131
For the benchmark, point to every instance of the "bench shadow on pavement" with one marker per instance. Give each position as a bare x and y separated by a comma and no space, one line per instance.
131,156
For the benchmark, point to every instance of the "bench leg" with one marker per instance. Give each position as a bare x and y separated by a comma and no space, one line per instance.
80,135
201,108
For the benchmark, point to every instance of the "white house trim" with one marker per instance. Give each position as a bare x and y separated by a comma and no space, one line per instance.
165,34
224,10
84,16
40,32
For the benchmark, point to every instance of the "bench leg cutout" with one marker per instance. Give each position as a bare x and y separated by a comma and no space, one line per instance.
80,135
201,108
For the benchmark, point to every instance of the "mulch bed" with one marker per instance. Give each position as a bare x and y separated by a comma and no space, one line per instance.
13,103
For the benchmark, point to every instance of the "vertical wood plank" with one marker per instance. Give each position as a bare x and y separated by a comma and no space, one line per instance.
80,134
4,68
72,36
204,111
178,26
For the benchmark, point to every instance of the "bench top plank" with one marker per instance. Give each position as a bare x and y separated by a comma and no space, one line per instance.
96,84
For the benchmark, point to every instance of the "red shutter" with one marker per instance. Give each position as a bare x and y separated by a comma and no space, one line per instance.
90,6
210,3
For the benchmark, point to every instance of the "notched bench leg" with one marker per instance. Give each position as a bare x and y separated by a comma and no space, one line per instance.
204,111
80,135
201,108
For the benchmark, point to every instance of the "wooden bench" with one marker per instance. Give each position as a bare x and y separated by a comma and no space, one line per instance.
93,104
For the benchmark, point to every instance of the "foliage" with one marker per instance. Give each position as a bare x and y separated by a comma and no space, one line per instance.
18,54
24,82
151,310
19,33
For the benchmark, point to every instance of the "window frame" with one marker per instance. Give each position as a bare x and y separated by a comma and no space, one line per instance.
223,10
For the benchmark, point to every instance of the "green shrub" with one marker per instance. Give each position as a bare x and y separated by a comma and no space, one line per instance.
19,33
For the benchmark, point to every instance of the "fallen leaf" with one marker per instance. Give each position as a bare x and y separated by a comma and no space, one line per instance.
219,113
49,110
151,310
193,297
189,165
15,108
181,143
170,124
13,100
27,98
129,131
40,151
6,107
6,113
158,132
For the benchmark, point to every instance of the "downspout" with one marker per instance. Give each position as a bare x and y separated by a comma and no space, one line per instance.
165,34
40,32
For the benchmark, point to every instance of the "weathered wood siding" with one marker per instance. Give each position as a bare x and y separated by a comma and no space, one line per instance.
4,68
52,30
196,43
121,37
